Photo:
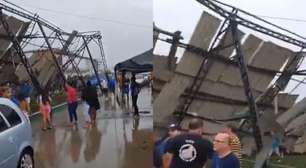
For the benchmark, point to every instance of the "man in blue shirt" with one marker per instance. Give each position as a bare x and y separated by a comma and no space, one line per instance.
160,146
224,157
26,90
135,89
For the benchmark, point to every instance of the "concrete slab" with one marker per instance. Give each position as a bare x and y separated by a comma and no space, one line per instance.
248,145
300,146
290,114
205,30
202,36
286,100
271,56
14,25
224,90
161,70
228,40
7,73
258,81
42,64
168,100
215,110
216,70
250,46
231,75
297,125
267,122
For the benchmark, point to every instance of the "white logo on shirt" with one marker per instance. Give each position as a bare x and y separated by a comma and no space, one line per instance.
188,152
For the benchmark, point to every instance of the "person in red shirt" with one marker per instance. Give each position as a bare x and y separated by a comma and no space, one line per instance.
72,101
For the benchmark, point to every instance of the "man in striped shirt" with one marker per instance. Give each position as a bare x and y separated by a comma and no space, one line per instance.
234,141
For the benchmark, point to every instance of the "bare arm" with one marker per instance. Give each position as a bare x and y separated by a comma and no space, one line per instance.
166,159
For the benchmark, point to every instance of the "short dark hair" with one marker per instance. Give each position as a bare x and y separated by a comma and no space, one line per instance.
195,124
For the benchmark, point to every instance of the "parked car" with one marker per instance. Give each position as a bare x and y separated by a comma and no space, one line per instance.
16,150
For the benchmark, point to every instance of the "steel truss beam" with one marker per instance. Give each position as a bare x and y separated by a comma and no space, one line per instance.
92,35
59,68
20,53
246,83
200,76
99,43
80,49
65,51
44,22
93,65
251,25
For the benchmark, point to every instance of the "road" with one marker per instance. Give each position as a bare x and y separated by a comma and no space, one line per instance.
118,141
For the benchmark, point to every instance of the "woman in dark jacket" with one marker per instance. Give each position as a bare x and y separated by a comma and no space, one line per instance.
90,95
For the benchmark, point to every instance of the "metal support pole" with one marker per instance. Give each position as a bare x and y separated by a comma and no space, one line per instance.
103,59
276,105
155,37
65,51
80,49
52,53
173,49
246,84
93,64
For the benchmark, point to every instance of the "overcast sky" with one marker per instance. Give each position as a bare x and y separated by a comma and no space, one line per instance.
183,15
126,25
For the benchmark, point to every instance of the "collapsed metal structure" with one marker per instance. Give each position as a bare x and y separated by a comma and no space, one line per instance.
28,39
228,37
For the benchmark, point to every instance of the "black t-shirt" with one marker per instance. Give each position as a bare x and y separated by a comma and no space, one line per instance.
189,151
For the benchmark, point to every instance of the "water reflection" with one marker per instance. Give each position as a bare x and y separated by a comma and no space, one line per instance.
75,145
126,141
46,149
140,146
93,141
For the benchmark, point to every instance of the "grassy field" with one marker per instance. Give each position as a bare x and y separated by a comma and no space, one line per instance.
56,99
289,161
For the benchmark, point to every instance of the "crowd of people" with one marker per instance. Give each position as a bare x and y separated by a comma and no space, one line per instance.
18,93
21,95
128,86
180,149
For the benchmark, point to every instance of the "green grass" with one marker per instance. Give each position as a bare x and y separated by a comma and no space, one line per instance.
289,161
56,99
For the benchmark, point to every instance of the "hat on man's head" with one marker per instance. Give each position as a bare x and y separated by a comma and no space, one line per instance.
174,127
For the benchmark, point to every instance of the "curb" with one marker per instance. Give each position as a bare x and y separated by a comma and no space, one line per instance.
53,107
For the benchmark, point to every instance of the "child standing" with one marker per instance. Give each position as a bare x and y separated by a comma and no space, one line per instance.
45,109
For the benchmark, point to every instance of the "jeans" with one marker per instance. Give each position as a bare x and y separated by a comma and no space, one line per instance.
72,111
134,103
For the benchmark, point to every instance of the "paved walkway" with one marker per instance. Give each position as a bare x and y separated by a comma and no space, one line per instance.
118,141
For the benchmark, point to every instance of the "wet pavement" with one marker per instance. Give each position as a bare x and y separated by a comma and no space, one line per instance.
118,141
